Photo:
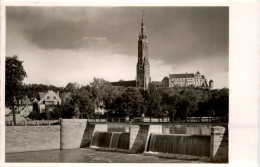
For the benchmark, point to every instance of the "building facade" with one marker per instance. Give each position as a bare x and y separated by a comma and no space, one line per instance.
189,79
143,78
49,98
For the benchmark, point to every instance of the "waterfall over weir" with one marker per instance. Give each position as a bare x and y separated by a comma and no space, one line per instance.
179,144
117,140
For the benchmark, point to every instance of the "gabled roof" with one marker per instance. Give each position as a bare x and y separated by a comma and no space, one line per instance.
156,82
41,95
188,75
7,111
131,83
26,101
165,78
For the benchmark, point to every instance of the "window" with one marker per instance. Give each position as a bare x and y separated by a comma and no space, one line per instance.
54,97
48,97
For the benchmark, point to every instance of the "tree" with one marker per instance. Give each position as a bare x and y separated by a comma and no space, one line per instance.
99,89
154,102
14,76
219,102
35,114
84,102
132,103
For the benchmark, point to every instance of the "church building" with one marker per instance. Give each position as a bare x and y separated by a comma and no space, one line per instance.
143,78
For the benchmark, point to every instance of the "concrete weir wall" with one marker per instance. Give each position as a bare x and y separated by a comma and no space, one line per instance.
31,138
77,133
72,132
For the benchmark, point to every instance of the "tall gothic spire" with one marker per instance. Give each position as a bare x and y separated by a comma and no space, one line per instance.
143,34
143,78
142,18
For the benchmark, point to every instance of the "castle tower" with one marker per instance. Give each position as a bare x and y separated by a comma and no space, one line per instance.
211,84
143,78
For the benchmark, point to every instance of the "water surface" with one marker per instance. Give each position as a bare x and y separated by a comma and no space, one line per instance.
86,155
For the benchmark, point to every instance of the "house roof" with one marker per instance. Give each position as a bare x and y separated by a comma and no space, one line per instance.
71,87
165,78
188,75
156,82
41,95
130,83
7,111
26,101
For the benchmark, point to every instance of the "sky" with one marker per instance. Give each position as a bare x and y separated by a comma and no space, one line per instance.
59,45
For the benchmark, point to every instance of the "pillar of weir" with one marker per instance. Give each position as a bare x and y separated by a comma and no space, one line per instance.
139,136
71,133
77,133
219,144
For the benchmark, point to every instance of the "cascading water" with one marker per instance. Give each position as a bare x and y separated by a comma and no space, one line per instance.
117,140
124,141
101,139
179,144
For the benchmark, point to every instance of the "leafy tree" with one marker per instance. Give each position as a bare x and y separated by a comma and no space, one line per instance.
219,102
99,89
14,75
154,103
33,115
35,112
67,111
84,102
55,114
132,103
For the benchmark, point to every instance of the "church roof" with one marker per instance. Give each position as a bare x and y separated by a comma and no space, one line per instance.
156,82
188,75
130,83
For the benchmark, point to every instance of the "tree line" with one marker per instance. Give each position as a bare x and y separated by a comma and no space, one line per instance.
177,103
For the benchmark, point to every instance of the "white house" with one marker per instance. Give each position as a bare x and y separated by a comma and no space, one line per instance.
49,98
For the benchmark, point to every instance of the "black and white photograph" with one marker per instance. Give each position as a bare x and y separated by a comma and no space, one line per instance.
117,84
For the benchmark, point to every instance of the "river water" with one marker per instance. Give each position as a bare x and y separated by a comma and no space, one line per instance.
86,155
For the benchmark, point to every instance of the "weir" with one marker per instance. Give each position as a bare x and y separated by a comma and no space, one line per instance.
113,140
201,140
179,144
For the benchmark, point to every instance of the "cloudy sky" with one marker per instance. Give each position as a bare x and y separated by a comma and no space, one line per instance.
75,44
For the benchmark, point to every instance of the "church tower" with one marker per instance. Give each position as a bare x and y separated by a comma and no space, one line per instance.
143,78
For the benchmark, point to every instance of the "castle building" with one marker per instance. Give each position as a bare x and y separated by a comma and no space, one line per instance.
143,78
189,79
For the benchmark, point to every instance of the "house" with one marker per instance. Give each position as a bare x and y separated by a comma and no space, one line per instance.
100,108
49,98
9,116
24,108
